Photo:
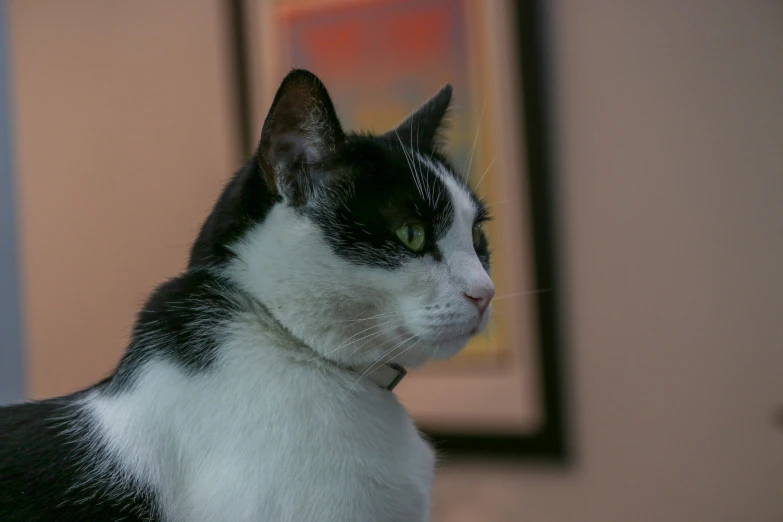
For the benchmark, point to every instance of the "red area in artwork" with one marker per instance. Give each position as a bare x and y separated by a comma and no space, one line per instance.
404,40
337,47
416,36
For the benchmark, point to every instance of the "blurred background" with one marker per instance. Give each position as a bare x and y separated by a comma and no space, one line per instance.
658,131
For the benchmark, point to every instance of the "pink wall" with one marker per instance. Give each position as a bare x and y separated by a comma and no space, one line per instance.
670,121
111,175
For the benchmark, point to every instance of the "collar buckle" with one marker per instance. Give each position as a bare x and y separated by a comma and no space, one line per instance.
387,376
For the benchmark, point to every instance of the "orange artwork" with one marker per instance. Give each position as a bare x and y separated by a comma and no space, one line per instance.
380,60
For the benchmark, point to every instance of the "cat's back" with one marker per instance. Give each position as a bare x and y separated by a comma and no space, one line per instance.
49,468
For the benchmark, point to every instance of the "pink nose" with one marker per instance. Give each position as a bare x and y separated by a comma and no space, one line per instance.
481,296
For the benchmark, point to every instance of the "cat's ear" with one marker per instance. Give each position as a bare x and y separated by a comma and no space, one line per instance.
422,128
301,133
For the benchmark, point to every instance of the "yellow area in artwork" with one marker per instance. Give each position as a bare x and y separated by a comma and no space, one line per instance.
492,345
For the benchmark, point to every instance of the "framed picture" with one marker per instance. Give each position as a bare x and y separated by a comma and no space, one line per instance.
381,59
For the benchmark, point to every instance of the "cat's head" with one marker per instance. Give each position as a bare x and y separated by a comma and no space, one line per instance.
368,246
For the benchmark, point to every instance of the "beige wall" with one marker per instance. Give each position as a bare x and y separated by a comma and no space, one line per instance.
122,119
670,117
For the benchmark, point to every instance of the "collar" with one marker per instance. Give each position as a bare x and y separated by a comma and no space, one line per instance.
386,376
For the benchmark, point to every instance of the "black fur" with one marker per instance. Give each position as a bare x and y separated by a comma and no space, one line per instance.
48,467
245,201
178,323
358,188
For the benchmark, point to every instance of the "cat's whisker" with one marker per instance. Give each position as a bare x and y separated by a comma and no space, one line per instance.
379,358
419,158
485,173
410,165
518,294
354,352
359,348
324,356
398,311
422,178
380,325
487,334
372,335
489,205
362,319
405,350
433,346
475,140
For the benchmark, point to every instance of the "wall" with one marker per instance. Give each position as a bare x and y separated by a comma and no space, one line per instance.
113,182
11,382
670,162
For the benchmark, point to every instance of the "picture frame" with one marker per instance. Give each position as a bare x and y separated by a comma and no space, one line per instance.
506,397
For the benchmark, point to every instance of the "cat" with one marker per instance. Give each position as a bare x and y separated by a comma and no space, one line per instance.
257,385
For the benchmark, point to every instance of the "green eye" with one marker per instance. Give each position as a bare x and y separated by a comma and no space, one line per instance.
476,234
412,235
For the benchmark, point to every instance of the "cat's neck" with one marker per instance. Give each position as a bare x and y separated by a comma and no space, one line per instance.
384,375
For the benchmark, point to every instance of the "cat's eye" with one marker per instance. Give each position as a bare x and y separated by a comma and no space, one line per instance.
412,235
476,234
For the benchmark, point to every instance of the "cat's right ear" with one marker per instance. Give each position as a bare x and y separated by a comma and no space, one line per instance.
300,134
422,129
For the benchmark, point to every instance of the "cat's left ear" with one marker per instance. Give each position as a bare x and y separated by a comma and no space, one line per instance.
422,129
301,133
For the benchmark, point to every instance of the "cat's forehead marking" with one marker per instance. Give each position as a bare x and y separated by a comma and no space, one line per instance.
464,208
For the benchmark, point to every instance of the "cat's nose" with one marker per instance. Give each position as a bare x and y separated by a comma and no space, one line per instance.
481,296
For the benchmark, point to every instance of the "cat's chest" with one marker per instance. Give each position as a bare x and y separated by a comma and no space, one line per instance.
288,445
315,474
320,461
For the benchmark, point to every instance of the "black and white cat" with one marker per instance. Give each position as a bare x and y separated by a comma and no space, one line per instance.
257,384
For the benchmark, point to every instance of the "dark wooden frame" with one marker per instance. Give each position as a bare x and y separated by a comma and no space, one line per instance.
550,442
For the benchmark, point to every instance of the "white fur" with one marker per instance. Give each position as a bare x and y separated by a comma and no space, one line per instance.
277,430
268,436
